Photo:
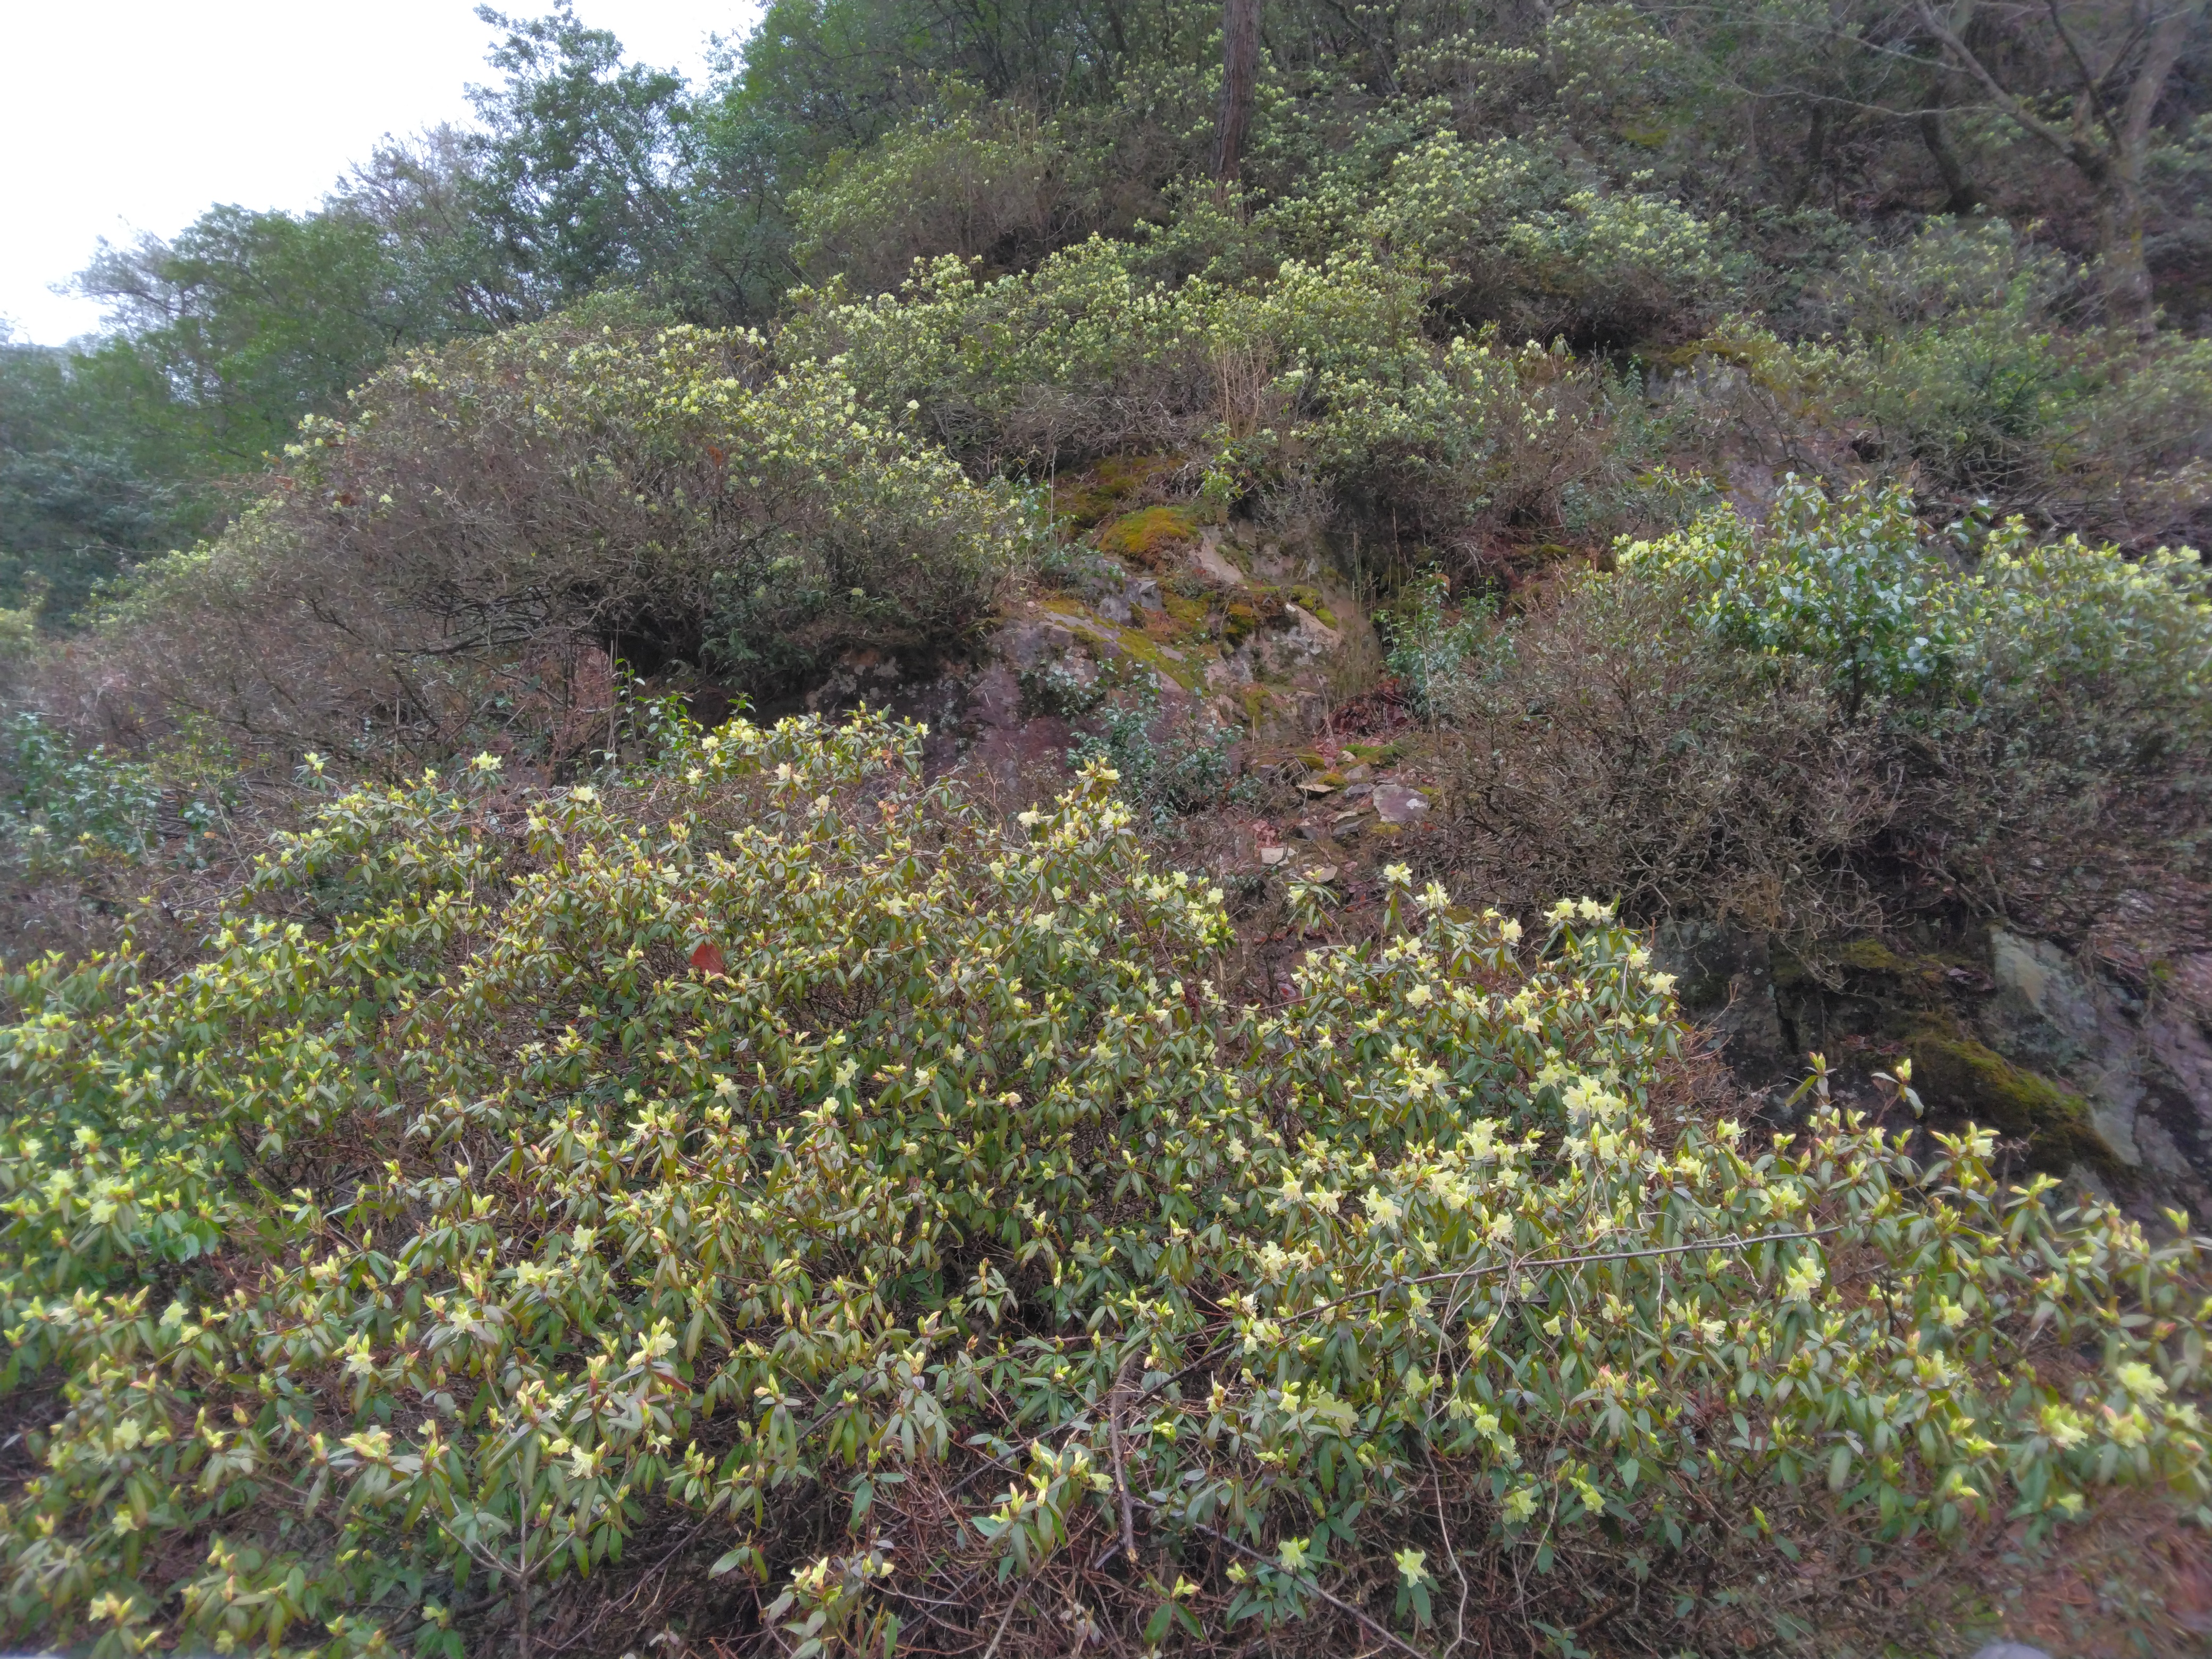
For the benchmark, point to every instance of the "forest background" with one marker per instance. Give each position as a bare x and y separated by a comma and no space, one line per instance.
1774,144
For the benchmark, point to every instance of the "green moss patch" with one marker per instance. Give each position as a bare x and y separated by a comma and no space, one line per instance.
1146,537
1188,617
1188,673
1097,493
1951,1072
1377,754
1871,956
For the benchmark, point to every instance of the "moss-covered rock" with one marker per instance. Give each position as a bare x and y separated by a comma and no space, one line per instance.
1187,671
1185,617
1870,955
1308,599
1953,1073
1145,538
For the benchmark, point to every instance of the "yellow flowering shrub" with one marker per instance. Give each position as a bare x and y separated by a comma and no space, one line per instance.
1527,242
426,570
1770,720
778,1158
1321,370
959,182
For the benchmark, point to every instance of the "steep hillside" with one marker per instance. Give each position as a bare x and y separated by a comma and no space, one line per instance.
1259,829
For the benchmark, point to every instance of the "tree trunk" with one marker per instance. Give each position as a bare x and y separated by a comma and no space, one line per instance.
2106,142
1959,196
1240,70
2127,295
1815,157
2129,300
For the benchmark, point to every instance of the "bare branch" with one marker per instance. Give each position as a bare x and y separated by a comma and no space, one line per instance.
2091,79
1965,58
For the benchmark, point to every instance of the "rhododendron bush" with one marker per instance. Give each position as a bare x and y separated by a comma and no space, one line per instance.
772,1163
465,555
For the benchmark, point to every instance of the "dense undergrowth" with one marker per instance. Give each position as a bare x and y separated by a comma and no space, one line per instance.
764,1191
651,1184
1833,720
495,523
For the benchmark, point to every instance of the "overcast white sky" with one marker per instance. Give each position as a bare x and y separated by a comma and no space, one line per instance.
119,116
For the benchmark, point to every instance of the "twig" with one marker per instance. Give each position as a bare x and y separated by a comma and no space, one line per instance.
1121,1467
1380,1631
1451,1549
1457,1274
1003,1623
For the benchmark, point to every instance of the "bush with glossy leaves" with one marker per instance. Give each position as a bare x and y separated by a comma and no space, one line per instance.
1765,721
777,1159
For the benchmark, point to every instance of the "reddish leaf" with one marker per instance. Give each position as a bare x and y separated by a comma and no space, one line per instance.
708,958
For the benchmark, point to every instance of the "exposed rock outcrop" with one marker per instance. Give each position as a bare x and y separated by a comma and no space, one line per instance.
2088,1074
1237,632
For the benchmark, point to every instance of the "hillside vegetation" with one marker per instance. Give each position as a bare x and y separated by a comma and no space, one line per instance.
1524,964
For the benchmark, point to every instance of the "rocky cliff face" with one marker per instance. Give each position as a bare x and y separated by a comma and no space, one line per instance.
2095,1073
1254,645
2140,1057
